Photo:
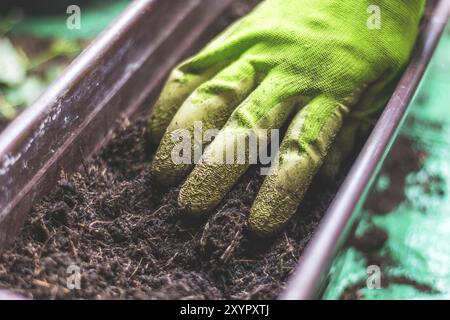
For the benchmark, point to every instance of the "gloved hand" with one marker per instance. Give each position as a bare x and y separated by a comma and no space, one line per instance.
316,60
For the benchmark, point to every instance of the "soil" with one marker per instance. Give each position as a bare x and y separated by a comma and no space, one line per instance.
130,240
353,292
403,159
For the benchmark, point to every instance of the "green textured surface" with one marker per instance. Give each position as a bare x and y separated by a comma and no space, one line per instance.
419,228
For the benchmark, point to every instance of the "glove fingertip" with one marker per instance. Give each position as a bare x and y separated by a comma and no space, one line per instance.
271,210
191,204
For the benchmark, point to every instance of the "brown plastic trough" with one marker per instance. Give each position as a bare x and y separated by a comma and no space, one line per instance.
121,72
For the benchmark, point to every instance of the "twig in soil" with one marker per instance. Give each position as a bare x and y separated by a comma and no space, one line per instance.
99,221
290,248
247,189
171,259
203,238
193,297
230,249
41,283
159,209
83,162
74,249
136,269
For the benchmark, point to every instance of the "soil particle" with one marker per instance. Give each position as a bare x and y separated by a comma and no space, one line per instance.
354,292
372,240
403,159
370,244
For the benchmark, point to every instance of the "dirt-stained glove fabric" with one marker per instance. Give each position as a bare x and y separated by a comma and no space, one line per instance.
321,63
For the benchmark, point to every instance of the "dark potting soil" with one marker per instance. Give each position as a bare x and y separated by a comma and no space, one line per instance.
130,240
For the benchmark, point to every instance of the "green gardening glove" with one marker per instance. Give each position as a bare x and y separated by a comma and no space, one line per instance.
325,64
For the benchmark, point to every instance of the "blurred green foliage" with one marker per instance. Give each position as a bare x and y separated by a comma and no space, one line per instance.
24,75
